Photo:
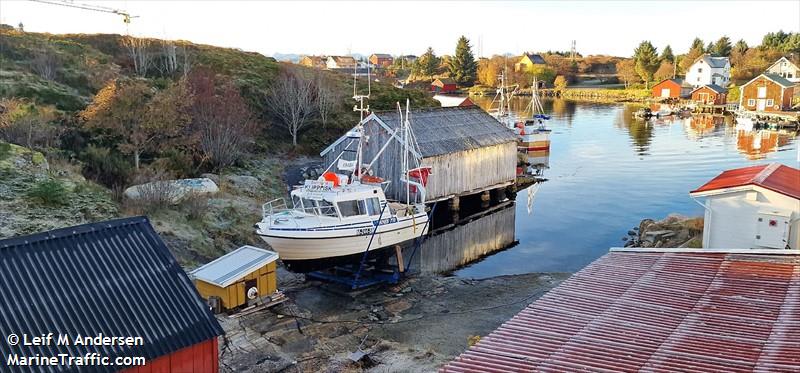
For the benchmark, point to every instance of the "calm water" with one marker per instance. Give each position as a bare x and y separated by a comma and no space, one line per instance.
608,171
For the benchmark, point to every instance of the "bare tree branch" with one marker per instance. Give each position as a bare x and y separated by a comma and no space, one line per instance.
293,100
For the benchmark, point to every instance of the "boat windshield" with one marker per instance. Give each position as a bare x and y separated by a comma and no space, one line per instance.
313,207
352,208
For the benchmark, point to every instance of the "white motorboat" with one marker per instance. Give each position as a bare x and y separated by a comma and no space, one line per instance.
339,217
534,134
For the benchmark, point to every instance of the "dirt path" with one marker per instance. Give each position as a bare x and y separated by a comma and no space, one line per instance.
415,326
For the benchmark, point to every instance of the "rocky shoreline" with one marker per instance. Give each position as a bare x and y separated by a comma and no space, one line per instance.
415,326
673,231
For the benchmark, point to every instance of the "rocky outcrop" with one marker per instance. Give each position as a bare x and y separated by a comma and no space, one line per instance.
673,231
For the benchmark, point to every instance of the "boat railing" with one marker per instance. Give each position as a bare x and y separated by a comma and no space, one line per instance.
277,210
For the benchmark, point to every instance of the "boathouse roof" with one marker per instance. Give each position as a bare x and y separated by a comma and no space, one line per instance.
781,81
445,130
712,87
234,265
116,278
774,176
660,310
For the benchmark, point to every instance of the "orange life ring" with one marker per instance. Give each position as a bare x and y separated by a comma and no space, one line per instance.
332,177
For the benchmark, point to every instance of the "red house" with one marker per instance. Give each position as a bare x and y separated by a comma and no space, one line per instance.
109,279
444,85
767,92
671,88
710,94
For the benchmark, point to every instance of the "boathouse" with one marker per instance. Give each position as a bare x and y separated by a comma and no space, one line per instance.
468,150
655,310
752,207
710,94
450,101
244,275
786,68
109,279
767,92
444,85
671,88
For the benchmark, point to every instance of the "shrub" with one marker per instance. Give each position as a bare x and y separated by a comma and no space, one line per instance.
5,150
49,192
106,167
195,206
156,192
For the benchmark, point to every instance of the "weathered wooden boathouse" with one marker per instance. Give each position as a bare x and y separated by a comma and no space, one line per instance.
467,149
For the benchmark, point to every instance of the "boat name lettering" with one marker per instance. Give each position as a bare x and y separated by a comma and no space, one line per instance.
364,231
318,186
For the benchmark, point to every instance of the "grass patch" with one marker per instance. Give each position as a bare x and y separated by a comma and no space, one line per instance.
49,192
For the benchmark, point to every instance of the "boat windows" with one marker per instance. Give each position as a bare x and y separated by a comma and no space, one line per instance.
326,208
352,208
310,206
296,204
373,206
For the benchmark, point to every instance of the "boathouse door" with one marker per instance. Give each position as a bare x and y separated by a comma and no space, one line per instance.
761,104
665,92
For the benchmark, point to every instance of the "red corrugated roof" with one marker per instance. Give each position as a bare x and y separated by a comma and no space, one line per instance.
655,312
774,176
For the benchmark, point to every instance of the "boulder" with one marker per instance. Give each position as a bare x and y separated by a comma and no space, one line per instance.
179,189
243,183
20,158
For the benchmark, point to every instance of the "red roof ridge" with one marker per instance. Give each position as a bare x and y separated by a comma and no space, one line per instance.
765,173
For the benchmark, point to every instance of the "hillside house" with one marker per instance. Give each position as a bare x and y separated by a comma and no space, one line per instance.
767,92
671,88
381,60
468,150
317,62
710,94
709,70
752,207
450,101
112,278
786,69
444,85
527,61
340,62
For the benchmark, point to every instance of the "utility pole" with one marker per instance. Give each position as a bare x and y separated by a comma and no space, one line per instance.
573,52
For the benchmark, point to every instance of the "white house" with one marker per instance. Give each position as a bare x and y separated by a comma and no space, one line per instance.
786,69
755,207
340,62
709,70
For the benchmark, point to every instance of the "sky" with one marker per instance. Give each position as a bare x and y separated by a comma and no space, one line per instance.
338,27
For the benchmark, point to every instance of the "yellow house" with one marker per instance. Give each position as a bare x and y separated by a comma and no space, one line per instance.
527,61
244,275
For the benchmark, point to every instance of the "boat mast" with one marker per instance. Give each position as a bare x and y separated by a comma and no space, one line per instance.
361,109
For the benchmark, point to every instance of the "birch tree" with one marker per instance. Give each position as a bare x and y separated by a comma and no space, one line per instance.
139,51
327,98
292,100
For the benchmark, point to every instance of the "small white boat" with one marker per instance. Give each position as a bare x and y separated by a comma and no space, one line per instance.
534,134
339,217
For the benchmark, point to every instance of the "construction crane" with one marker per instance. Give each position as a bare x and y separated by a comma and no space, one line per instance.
126,17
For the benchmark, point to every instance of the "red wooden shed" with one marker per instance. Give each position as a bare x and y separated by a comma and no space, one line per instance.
710,94
444,85
671,88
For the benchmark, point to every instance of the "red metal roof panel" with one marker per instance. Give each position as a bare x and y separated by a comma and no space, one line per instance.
655,312
775,176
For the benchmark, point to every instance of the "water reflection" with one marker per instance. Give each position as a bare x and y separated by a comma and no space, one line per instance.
609,171
757,144
461,244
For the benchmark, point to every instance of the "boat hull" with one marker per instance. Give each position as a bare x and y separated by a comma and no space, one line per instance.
336,242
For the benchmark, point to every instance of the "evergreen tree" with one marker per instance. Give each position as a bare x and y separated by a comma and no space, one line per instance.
647,61
428,63
697,43
722,48
740,47
667,55
462,65
710,47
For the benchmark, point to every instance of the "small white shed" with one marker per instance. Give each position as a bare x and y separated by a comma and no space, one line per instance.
752,207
